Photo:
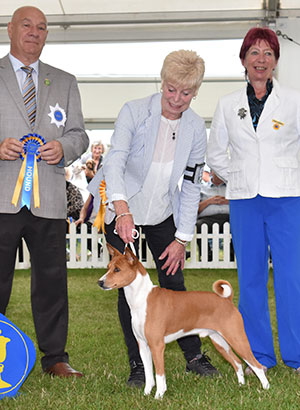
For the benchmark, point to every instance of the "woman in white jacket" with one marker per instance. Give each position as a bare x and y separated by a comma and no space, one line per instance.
254,147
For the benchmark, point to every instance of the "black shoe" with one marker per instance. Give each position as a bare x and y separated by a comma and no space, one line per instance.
137,375
201,365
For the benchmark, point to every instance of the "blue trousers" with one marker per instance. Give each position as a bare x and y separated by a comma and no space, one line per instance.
258,224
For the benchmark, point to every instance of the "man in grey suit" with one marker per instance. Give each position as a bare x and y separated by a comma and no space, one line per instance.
38,138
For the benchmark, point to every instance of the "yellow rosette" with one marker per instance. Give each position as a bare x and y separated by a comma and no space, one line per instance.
99,221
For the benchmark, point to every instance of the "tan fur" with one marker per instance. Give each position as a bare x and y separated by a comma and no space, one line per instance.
168,312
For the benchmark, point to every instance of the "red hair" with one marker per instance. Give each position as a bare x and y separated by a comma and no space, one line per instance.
258,34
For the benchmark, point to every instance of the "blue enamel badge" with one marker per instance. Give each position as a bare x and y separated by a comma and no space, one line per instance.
17,357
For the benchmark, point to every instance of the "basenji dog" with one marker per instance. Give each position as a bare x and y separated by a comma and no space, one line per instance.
160,316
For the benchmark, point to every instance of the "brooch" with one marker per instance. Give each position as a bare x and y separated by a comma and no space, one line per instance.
277,124
57,115
242,113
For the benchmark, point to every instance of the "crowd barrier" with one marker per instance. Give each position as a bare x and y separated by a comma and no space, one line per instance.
87,249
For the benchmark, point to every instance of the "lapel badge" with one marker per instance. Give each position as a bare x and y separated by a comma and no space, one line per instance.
242,113
277,124
47,82
57,115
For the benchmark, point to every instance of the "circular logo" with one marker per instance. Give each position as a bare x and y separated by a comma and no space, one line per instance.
58,115
14,358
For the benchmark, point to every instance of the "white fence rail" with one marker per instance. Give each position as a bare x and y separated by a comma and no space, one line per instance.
88,250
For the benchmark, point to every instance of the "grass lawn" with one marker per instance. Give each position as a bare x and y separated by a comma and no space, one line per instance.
96,347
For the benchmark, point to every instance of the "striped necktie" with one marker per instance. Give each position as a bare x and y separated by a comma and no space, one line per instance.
29,95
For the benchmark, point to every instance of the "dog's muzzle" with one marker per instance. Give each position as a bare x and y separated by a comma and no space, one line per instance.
101,283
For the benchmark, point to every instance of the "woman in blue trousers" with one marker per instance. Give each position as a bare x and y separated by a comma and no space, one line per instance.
254,147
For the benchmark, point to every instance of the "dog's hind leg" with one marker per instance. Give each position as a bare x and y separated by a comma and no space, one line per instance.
224,348
242,347
146,356
261,375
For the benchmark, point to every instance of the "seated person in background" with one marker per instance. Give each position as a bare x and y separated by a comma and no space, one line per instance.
96,154
88,215
205,175
213,208
74,199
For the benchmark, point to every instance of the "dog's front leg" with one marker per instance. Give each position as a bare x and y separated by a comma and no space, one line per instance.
146,356
158,350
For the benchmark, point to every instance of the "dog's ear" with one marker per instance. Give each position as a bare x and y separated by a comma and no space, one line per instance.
130,256
112,251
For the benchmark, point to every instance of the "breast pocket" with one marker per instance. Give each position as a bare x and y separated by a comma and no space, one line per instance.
288,170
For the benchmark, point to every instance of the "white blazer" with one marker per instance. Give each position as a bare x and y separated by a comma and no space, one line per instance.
126,165
265,162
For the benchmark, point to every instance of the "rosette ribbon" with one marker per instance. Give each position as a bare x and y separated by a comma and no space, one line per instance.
28,179
99,221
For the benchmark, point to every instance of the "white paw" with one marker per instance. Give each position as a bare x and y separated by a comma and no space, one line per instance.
266,385
148,389
159,395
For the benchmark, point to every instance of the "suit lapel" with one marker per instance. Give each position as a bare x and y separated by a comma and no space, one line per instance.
45,81
10,80
152,123
271,104
241,112
183,149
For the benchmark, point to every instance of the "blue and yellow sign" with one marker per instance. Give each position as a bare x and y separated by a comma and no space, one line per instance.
17,357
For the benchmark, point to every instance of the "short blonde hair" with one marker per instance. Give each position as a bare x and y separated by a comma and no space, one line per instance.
184,68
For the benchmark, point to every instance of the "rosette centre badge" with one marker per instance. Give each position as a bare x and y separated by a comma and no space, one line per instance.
57,115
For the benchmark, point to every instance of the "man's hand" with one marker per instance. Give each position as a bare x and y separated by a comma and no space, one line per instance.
10,149
51,152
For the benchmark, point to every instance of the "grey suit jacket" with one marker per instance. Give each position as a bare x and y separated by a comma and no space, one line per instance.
54,87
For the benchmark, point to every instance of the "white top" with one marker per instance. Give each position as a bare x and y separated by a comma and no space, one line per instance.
152,203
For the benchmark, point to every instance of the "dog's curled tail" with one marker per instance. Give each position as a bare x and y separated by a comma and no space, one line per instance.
223,288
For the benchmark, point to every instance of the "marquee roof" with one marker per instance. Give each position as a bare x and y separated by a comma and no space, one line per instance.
140,20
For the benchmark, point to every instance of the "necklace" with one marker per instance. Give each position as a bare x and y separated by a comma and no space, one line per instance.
174,129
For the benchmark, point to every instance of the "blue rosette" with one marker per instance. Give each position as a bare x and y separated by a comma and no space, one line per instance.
28,176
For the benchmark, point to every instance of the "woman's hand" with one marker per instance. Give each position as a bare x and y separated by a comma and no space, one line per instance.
218,200
84,210
124,221
175,254
125,227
